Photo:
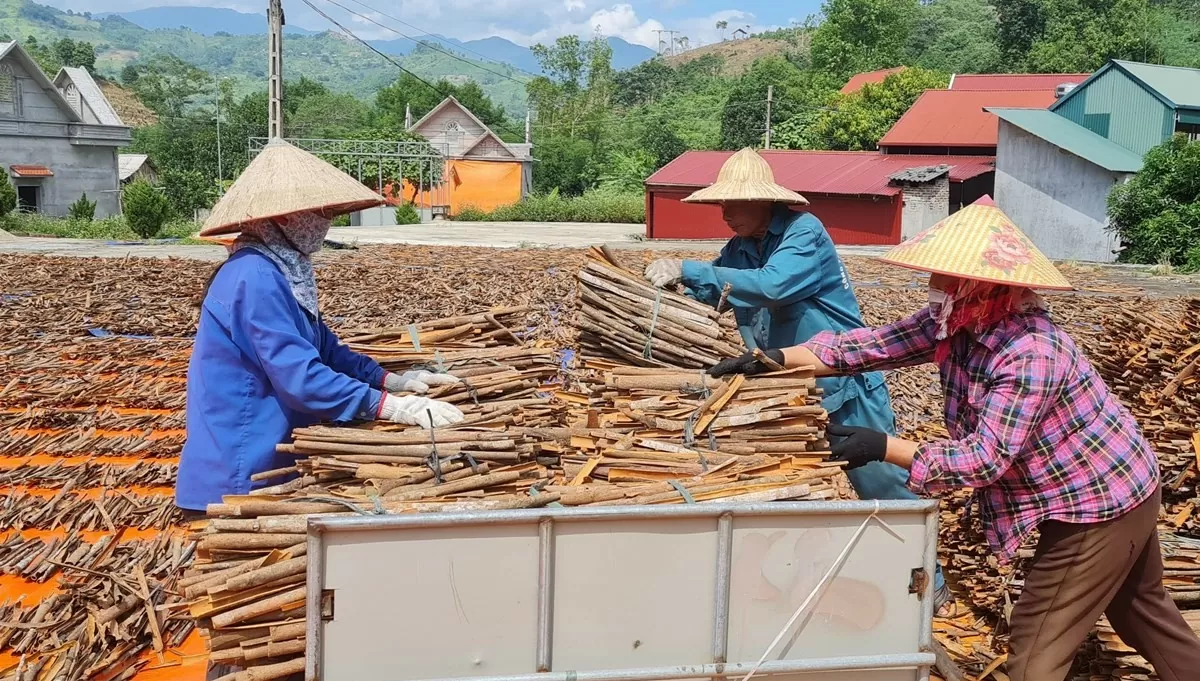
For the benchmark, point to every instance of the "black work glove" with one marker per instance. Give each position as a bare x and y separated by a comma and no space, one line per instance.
746,364
857,446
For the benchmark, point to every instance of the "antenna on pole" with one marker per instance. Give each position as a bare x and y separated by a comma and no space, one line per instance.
275,68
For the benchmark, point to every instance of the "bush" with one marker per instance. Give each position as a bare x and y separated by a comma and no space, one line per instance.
115,228
83,209
598,205
1157,213
187,191
8,197
146,208
406,214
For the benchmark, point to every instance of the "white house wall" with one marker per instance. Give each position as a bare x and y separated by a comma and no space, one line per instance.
1057,198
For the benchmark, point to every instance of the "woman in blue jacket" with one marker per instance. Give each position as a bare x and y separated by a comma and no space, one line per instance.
787,284
264,362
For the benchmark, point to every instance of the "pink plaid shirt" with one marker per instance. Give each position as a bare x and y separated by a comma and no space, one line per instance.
1035,430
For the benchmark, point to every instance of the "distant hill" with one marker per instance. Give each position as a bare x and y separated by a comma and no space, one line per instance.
738,55
203,20
330,58
210,21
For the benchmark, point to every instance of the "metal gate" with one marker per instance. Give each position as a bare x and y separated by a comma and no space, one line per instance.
818,591
366,159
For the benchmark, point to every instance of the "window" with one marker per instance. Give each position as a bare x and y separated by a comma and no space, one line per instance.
72,95
8,90
1192,130
27,198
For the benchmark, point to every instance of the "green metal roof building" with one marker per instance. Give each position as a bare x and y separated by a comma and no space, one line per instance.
1137,106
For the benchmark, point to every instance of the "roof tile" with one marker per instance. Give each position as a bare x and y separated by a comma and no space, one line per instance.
956,118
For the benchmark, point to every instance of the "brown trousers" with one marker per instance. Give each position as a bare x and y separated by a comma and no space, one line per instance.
1082,570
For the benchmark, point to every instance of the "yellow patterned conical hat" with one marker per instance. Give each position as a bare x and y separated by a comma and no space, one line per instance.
979,242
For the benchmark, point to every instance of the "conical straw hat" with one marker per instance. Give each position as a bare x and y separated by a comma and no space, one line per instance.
745,176
283,180
979,242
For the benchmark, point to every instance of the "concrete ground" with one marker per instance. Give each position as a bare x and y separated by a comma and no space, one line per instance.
488,234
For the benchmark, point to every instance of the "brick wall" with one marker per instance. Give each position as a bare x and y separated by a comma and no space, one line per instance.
924,205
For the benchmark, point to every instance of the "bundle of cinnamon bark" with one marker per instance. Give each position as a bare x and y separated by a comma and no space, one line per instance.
606,435
623,318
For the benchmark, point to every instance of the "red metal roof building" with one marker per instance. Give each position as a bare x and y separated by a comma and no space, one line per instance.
850,191
1014,81
860,79
954,121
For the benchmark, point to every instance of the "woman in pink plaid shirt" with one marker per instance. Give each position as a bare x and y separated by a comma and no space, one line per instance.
1034,430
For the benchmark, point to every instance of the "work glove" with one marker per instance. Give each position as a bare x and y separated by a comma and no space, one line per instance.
665,272
412,410
746,364
416,381
857,446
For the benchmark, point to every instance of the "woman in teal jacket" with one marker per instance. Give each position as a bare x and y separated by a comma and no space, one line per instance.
787,284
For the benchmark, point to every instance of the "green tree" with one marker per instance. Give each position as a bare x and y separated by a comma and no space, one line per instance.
8,196
565,164
743,120
627,171
187,191
169,85
644,83
861,35
957,36
1157,213
82,209
660,142
146,208
1081,35
1019,24
857,121
410,91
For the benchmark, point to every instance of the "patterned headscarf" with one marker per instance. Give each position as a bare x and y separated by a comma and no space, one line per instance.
289,242
974,306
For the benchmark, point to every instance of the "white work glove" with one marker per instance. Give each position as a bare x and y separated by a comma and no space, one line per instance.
416,411
416,381
665,272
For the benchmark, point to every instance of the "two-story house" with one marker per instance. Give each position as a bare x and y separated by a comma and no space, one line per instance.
58,139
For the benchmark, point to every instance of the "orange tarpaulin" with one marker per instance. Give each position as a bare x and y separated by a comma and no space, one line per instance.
485,185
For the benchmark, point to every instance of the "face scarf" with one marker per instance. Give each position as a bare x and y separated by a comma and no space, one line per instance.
975,306
289,242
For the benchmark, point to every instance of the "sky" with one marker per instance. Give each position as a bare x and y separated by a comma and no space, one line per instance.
523,21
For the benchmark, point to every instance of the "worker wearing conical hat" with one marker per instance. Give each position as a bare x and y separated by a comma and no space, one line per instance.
264,362
1035,431
786,284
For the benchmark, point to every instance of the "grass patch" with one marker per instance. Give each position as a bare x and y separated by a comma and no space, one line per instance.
594,206
109,229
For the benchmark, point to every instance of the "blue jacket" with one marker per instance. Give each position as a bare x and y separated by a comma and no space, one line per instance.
260,367
786,287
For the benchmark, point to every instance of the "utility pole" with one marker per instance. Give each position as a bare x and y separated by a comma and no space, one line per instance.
770,96
408,121
527,130
220,171
275,23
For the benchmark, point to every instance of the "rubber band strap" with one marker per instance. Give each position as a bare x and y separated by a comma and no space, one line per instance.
687,496
414,336
648,348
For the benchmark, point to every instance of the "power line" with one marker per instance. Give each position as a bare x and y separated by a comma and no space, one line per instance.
432,46
393,62
425,32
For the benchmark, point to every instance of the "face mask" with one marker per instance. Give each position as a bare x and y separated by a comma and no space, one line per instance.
306,231
937,302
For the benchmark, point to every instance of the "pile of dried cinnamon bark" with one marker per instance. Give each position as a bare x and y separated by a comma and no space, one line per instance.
604,435
623,318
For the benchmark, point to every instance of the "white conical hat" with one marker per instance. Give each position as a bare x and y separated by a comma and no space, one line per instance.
283,180
745,176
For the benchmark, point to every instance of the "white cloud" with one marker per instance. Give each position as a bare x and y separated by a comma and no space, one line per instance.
574,5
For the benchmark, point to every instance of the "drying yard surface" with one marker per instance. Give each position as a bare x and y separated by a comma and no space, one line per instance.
98,579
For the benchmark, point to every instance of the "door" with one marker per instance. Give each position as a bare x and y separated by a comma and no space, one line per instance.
27,198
